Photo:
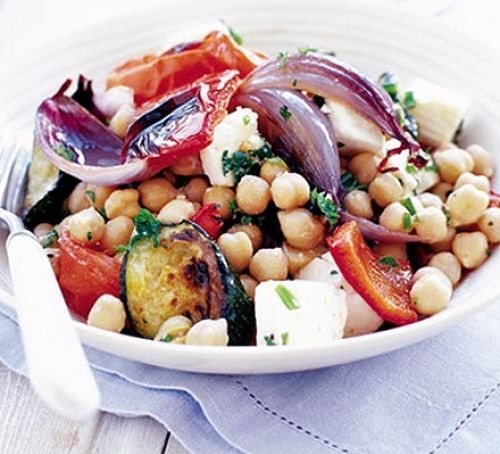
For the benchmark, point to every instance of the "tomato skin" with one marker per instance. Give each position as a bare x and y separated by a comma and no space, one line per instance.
209,219
151,76
385,289
85,274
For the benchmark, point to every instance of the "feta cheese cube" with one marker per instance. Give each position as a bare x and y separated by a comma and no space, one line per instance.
237,131
299,313
361,318
355,132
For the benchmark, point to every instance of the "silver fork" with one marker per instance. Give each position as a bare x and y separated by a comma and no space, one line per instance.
57,366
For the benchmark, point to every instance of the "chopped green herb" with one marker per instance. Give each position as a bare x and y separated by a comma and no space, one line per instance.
488,252
458,133
270,340
122,248
146,226
334,272
409,100
306,49
390,84
90,195
246,120
406,221
323,202
285,113
240,163
49,238
350,183
262,153
277,161
388,260
239,217
408,204
287,297
447,214
64,152
103,214
283,58
232,32
410,168
295,82
432,167
167,338
284,338
89,236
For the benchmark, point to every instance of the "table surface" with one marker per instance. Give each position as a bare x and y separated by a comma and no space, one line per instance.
22,415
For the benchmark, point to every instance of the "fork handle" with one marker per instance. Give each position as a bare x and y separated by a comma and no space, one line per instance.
57,366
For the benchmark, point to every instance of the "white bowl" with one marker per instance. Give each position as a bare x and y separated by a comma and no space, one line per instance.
367,34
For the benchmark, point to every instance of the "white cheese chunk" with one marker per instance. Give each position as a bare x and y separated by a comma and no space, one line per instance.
438,112
237,131
361,318
355,132
317,315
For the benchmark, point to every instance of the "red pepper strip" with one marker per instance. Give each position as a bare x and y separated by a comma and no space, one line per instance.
151,76
86,274
386,289
181,124
208,217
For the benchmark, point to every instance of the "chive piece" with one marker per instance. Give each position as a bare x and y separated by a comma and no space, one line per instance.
410,168
409,100
246,120
238,39
90,195
285,113
287,297
64,152
167,338
408,204
270,340
284,338
103,214
323,202
406,221
306,49
283,58
48,239
388,260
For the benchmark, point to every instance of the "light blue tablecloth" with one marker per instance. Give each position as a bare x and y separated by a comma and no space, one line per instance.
441,395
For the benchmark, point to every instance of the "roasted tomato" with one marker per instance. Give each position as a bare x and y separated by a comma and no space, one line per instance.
384,286
152,76
86,274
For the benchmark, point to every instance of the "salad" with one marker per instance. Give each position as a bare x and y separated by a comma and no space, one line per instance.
216,195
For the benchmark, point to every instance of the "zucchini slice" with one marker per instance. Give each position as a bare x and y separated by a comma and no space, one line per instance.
185,275
47,191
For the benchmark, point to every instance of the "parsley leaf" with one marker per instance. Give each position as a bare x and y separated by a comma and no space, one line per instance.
240,163
288,298
48,239
406,221
306,49
245,219
334,272
270,340
167,338
350,183
285,113
408,204
238,39
284,338
283,58
146,226
324,203
389,261
64,152
246,120
90,195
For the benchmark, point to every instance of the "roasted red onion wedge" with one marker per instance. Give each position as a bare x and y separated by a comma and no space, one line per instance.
326,76
180,124
298,131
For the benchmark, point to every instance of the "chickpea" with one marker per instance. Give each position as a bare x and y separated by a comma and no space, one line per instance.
452,163
87,226
272,168
297,258
269,264
98,194
430,200
237,248
42,229
249,284
442,190
117,232
208,332
393,218
466,205
254,233
253,195
78,199
122,202
364,167
176,211
449,265
195,189
385,189
301,229
426,270
483,161
108,312
430,294
174,330
170,177
445,244
470,248
188,166
432,225
290,190
489,224
156,193
222,196
479,181
359,204
396,250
